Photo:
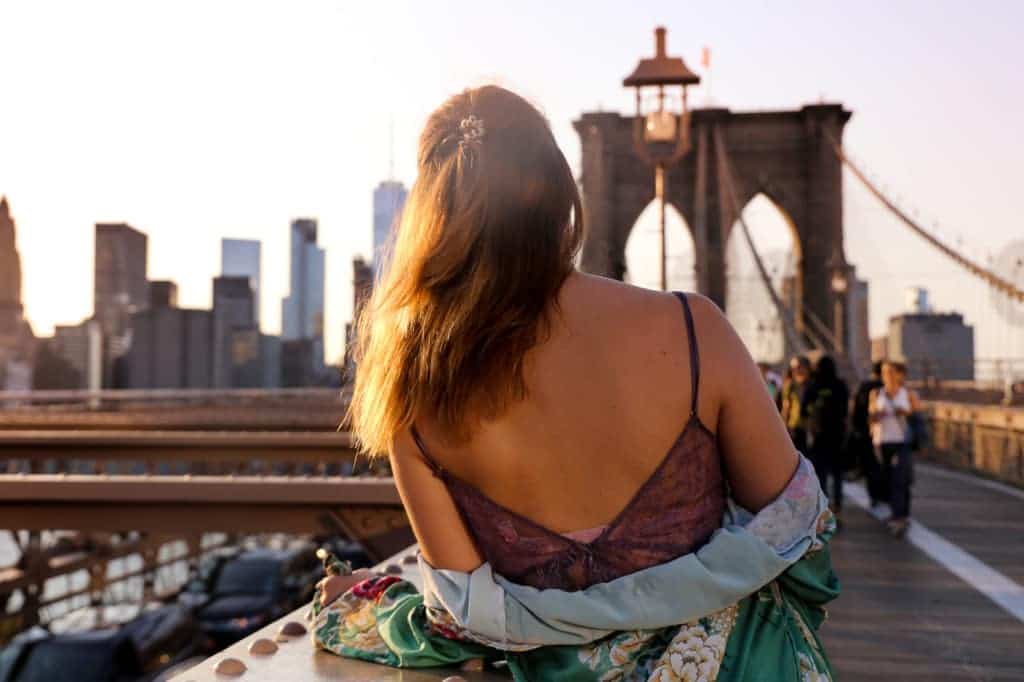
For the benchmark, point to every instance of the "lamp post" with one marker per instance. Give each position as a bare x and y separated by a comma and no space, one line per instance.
661,129
840,285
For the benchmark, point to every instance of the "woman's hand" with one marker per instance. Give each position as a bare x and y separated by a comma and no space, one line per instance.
333,586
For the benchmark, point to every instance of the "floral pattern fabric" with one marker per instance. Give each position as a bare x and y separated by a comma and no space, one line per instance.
770,635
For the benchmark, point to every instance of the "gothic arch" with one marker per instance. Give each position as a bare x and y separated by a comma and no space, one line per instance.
748,305
640,253
785,155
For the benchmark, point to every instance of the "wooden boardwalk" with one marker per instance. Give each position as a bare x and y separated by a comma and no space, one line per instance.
903,615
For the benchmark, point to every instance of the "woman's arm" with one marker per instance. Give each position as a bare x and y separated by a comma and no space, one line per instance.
759,456
740,558
915,402
442,535
873,412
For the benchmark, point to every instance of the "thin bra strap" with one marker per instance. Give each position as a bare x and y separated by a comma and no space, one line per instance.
694,354
435,468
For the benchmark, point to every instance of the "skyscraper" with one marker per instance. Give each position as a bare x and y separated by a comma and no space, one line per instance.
388,200
233,318
16,339
170,349
81,346
10,275
302,311
241,257
120,288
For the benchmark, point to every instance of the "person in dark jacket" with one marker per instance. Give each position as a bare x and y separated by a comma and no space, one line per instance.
826,404
860,436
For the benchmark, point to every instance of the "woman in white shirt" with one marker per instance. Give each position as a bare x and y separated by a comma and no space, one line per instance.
889,408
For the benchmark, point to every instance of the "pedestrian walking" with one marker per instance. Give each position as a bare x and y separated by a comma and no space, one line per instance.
890,409
794,391
860,444
827,403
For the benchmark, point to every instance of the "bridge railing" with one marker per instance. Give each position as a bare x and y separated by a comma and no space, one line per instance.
296,660
984,439
159,395
191,410
182,485
157,452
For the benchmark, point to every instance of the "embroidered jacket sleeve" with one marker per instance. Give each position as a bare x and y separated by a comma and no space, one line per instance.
748,552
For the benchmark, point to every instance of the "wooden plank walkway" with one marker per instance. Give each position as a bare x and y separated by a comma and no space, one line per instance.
902,615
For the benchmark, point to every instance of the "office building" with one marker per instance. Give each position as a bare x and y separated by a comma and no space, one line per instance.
120,290
388,201
233,315
270,355
362,288
932,345
17,342
297,363
81,346
241,258
302,311
119,285
10,277
170,349
859,350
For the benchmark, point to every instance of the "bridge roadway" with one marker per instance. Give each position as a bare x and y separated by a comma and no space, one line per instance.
903,614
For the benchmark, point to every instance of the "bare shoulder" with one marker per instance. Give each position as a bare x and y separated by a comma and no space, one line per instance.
721,348
626,302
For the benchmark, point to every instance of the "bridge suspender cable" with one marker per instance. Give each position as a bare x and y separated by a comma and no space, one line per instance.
726,183
991,278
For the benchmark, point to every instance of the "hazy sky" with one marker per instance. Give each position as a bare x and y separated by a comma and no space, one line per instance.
198,120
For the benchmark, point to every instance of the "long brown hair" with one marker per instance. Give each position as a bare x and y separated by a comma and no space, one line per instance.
487,237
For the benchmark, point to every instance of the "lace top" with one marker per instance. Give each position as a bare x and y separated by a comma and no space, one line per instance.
672,513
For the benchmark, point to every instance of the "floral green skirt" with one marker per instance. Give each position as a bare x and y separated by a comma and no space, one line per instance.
770,635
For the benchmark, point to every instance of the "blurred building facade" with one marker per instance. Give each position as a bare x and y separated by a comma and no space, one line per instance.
362,288
241,257
388,201
235,334
932,345
17,343
10,275
81,346
163,292
120,290
302,310
170,348
858,317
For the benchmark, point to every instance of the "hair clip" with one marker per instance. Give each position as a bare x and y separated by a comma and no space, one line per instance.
472,129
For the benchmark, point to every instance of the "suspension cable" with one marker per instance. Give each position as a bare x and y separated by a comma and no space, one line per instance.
992,279
727,183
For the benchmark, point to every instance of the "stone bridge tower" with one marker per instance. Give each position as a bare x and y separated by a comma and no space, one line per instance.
786,155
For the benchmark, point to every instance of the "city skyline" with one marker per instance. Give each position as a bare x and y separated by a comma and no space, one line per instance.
192,147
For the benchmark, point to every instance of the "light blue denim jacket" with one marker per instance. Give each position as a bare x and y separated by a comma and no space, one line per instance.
746,553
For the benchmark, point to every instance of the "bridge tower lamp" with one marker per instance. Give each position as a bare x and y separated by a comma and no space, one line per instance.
661,130
840,283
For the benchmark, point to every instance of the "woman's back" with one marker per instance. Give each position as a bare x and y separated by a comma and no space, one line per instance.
553,395
620,506
608,395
